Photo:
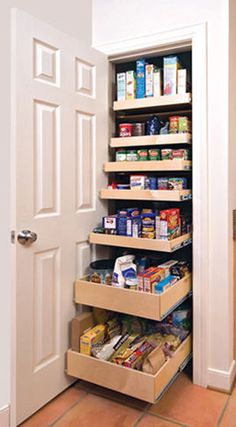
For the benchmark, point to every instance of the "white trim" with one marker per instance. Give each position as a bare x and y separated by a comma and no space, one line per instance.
5,416
222,380
196,36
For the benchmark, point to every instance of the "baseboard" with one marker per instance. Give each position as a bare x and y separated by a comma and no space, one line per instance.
5,416
222,380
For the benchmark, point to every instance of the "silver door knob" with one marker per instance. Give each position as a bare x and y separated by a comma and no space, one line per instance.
26,237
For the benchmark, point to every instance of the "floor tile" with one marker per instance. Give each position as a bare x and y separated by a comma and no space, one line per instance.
121,398
190,404
229,416
151,421
95,411
55,409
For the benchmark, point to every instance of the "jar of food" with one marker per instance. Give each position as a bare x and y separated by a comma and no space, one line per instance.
125,129
138,129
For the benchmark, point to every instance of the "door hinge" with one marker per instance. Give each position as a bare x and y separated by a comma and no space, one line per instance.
13,234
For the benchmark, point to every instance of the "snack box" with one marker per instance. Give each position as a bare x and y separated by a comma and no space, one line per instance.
157,82
137,182
121,86
153,277
140,78
141,278
90,338
182,81
181,153
171,66
167,266
177,183
130,85
165,284
162,183
169,224
180,269
109,222
166,154
149,79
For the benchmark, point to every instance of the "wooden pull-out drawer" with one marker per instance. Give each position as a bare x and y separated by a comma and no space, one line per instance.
142,304
125,380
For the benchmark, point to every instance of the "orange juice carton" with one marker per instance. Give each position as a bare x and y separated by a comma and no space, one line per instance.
152,278
90,338
157,82
121,86
130,85
149,79
170,224
167,266
171,66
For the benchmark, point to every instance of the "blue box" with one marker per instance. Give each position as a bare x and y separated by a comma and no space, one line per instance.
140,78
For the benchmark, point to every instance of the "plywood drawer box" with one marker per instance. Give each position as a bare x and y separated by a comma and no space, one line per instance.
142,304
124,380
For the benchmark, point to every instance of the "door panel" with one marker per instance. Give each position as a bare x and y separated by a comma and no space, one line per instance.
60,146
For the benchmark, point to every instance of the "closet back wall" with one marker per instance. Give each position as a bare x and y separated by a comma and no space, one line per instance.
119,20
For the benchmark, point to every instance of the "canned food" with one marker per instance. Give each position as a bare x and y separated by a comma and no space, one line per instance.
174,124
154,154
138,129
125,129
120,156
132,155
142,154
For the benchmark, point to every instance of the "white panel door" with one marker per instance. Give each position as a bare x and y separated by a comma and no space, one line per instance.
60,144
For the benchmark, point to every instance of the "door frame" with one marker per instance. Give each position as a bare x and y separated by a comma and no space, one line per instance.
196,36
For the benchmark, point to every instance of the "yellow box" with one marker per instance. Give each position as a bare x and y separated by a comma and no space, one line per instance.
93,336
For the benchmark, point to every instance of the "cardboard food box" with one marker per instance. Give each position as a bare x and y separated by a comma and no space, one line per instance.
157,82
140,78
90,338
79,324
171,66
182,81
130,85
149,79
121,86
170,224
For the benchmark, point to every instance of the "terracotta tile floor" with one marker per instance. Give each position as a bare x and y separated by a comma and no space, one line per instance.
183,404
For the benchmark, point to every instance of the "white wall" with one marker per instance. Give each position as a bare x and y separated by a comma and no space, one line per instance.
115,20
74,18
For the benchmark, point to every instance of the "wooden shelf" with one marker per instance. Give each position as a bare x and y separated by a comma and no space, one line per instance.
134,383
154,195
140,243
165,100
135,303
139,141
151,165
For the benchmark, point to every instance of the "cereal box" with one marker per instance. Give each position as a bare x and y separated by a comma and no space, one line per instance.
130,85
121,87
157,82
149,79
140,78
171,66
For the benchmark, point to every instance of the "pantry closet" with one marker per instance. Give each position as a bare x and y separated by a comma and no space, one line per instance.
149,172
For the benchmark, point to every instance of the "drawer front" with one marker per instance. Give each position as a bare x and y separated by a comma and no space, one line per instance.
142,304
124,380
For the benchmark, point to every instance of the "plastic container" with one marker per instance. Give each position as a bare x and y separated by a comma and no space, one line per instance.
101,271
